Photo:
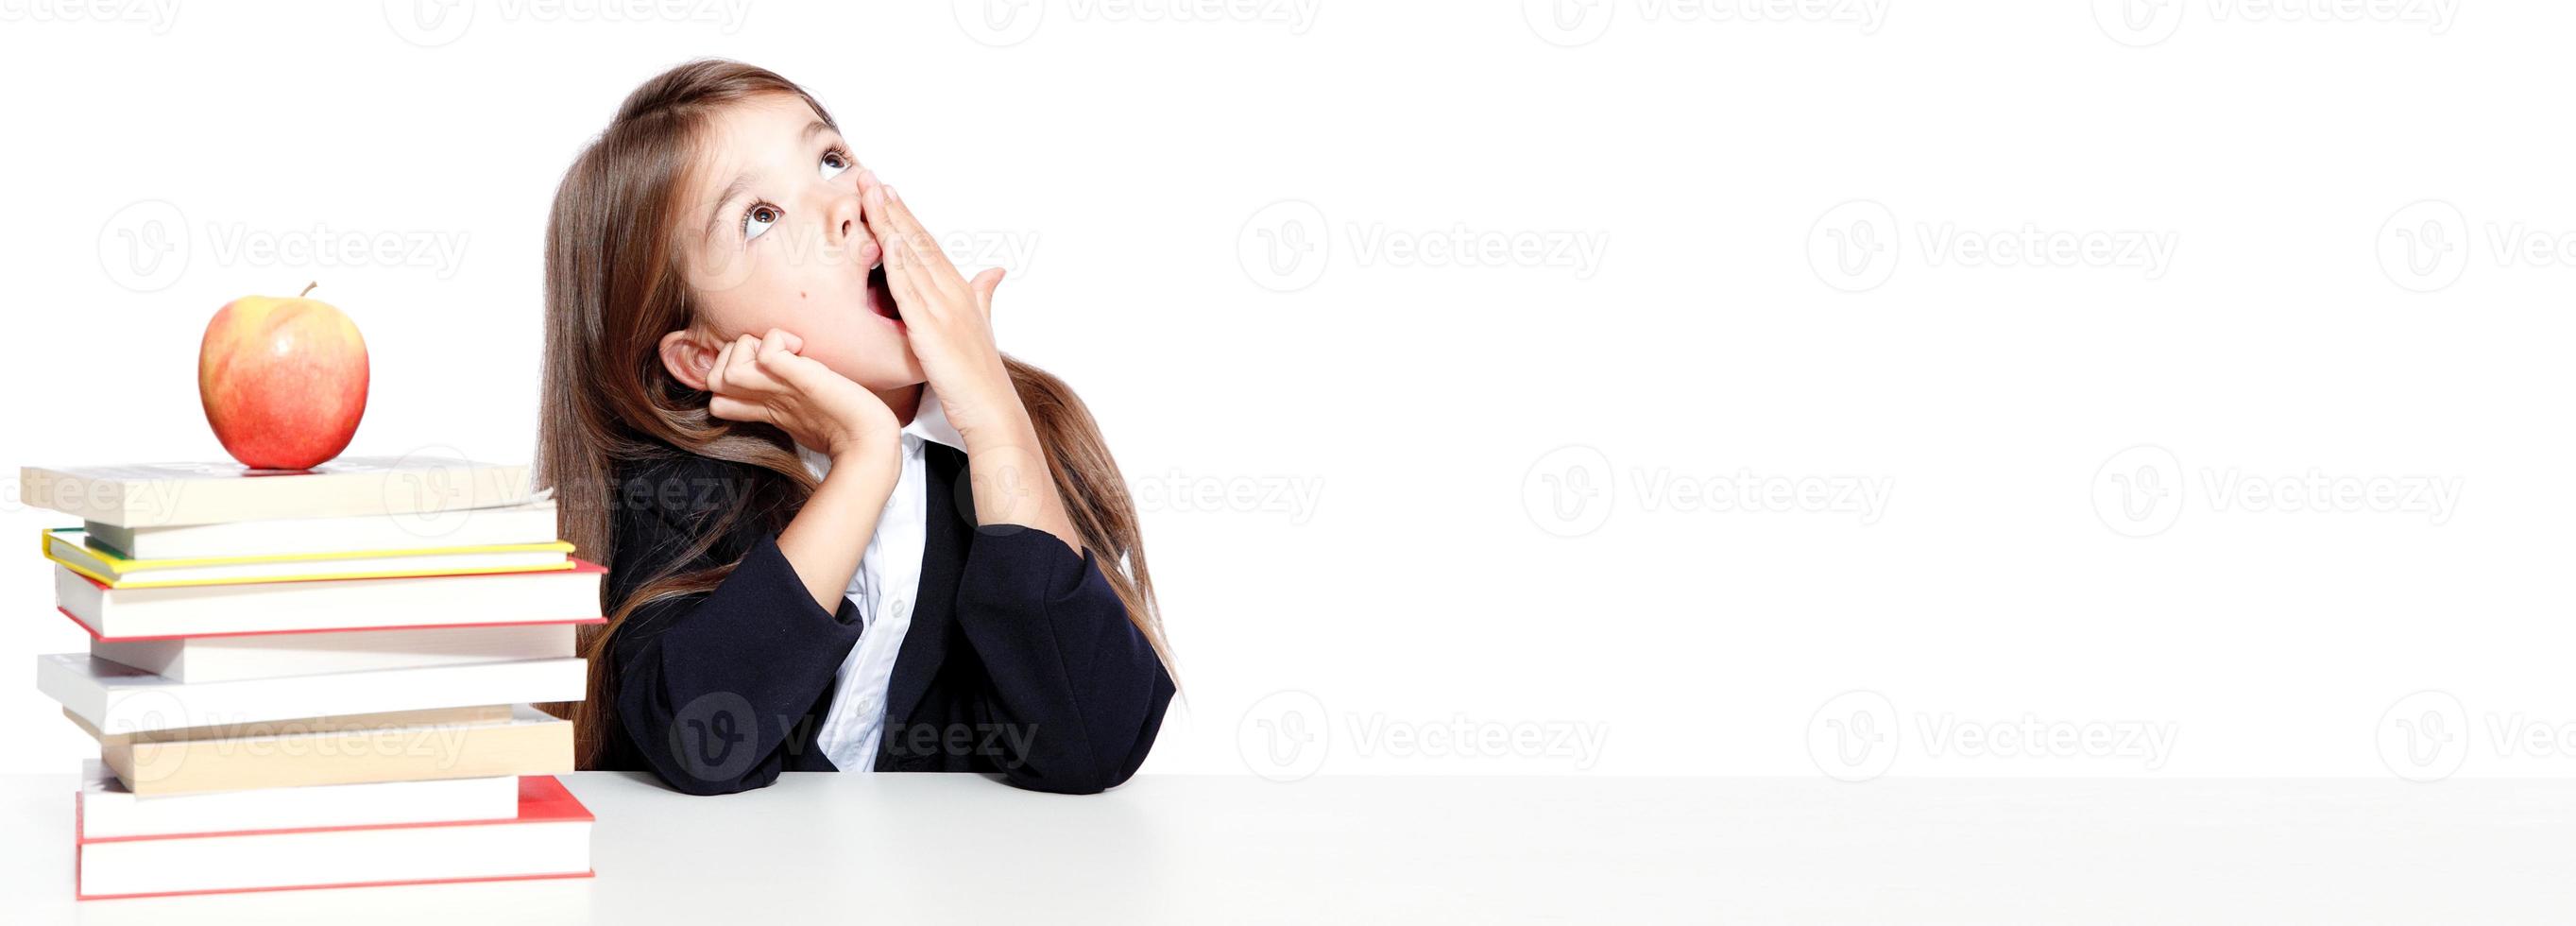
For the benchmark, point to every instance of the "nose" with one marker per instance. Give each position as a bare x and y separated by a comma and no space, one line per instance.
846,225
843,218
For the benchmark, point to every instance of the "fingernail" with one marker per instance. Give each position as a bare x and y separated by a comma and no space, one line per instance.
891,194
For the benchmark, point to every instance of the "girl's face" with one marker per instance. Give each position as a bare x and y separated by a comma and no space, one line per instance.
772,236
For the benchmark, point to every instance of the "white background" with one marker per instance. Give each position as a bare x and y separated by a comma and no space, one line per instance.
1393,539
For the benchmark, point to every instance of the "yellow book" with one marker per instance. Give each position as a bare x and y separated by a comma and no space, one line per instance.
69,547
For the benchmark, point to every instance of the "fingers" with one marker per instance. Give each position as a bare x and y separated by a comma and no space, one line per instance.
715,373
879,216
733,409
772,347
923,245
788,369
902,265
909,247
984,284
753,375
904,277
738,369
735,375
749,366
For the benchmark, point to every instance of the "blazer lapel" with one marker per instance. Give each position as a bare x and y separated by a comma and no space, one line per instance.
943,560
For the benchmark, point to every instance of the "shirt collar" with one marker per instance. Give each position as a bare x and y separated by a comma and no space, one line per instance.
929,423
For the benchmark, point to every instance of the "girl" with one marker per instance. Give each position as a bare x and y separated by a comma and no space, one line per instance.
843,530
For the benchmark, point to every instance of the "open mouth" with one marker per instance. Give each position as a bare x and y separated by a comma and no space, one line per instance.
880,298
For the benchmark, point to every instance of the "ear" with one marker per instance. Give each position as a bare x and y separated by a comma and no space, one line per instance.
688,357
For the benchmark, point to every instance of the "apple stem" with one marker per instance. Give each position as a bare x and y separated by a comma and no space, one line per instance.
308,287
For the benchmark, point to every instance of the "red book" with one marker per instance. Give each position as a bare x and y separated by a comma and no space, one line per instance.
550,838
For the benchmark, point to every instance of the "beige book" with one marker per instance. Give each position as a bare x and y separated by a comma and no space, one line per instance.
432,493
422,745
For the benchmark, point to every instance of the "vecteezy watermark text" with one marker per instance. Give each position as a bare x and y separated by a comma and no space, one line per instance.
1571,491
2142,491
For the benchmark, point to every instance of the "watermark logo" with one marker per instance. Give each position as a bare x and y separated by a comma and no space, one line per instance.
804,244
434,23
1853,736
1575,23
1176,492
2138,491
144,246
2424,246
1856,245
999,23
2430,735
2424,736
156,16
1003,23
1569,491
1287,735
147,246
2143,23
2141,491
1284,736
429,23
713,736
1853,246
1568,23
431,491
1859,735
1283,246
2428,245
2138,23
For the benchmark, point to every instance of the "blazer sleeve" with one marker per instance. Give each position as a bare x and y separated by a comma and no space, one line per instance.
1065,665
711,687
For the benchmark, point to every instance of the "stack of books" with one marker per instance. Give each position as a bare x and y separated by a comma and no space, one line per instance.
324,678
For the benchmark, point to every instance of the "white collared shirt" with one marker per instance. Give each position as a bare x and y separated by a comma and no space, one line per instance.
888,577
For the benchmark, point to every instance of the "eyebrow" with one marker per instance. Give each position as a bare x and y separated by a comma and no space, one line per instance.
742,182
715,212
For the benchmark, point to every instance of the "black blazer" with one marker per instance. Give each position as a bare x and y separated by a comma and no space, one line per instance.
1020,659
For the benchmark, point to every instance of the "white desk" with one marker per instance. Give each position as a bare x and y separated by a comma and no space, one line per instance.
961,848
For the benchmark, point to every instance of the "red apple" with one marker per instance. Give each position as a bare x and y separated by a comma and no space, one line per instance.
284,380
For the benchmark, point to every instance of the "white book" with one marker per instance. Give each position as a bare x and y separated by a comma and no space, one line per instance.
329,604
117,699
162,494
548,837
109,811
279,655
533,522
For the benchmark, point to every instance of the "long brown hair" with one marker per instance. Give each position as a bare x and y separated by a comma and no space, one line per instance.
615,285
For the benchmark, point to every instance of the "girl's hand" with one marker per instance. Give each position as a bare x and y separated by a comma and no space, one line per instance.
764,379
948,319
950,324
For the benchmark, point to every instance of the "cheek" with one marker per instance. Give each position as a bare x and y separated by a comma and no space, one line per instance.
775,293
867,351
828,309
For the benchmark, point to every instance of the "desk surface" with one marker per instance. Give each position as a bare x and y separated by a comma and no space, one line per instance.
952,848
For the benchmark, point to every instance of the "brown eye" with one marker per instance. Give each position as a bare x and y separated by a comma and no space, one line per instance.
758,219
834,163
